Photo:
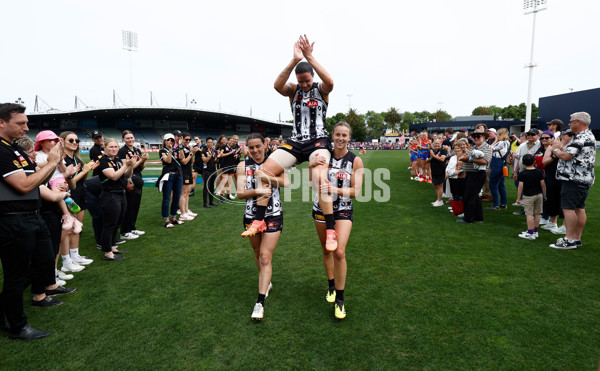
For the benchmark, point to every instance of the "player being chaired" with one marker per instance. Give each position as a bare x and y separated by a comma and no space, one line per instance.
309,102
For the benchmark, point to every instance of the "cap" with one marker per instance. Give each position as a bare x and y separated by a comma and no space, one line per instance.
533,131
177,132
96,134
492,130
555,122
528,159
43,135
168,136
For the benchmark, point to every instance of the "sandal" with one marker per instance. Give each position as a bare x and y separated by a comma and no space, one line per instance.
176,221
169,225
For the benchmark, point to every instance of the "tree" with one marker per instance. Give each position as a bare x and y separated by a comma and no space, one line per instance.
491,110
407,120
393,118
375,124
422,116
357,123
331,121
441,116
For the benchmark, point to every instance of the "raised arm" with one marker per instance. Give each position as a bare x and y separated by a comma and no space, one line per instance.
306,47
281,85
24,184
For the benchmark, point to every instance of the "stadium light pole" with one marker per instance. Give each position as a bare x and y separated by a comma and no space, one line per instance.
531,6
130,43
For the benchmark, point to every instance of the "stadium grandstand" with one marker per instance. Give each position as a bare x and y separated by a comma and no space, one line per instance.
149,124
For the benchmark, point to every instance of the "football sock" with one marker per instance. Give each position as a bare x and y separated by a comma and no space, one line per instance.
331,285
329,221
339,295
261,299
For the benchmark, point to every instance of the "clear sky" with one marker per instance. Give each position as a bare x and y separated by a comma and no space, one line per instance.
412,55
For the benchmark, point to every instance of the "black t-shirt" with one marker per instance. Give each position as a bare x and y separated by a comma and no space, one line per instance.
96,153
124,151
438,167
174,166
531,181
107,183
212,154
79,190
198,164
187,152
13,159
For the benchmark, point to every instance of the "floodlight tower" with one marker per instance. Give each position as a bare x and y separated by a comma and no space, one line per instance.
130,43
531,6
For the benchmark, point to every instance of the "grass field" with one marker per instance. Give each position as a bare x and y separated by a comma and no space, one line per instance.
423,292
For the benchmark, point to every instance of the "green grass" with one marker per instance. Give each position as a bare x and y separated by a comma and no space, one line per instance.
423,292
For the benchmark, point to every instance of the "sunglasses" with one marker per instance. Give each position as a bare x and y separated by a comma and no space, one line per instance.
73,140
170,140
187,140
531,135
545,138
476,136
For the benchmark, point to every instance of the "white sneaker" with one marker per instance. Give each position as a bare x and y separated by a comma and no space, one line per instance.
528,236
81,260
192,213
129,236
544,221
60,282
178,211
63,276
559,230
139,233
549,226
269,289
186,217
72,267
461,215
438,203
258,312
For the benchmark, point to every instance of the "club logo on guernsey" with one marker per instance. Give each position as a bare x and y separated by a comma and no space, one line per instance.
319,144
343,176
312,103
249,172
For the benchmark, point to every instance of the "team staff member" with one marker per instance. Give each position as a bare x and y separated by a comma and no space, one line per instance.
24,237
198,165
113,201
93,187
345,178
135,186
263,244
209,172
309,101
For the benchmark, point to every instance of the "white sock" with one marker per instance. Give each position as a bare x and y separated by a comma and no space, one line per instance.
66,259
74,252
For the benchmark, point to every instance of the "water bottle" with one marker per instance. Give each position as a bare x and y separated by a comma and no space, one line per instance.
71,205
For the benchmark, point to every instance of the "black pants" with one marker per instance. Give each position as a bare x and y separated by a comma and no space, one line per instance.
457,188
24,244
93,189
473,183
209,177
114,206
134,200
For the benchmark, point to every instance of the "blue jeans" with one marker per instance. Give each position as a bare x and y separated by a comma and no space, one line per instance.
174,184
497,182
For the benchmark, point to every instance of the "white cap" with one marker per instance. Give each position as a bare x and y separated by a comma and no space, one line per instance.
168,136
492,130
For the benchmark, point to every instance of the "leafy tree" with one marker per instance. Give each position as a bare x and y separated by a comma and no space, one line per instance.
357,123
393,118
331,121
491,110
375,124
441,116
422,116
408,119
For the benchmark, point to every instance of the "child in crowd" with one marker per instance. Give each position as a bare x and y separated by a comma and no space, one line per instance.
533,189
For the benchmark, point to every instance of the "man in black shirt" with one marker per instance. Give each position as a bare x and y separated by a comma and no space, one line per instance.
24,236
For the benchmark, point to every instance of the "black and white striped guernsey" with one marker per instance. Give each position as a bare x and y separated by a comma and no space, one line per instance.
339,174
309,110
274,206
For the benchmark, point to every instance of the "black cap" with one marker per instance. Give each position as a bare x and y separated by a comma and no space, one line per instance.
177,132
96,134
533,132
528,159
